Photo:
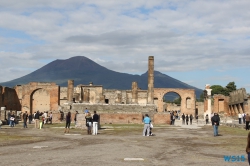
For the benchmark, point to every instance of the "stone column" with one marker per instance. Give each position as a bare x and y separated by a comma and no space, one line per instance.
151,80
134,93
70,91
86,95
209,103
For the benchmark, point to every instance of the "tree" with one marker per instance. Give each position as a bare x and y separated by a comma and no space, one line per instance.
217,89
230,87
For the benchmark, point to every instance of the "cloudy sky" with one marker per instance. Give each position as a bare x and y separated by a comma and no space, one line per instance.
196,42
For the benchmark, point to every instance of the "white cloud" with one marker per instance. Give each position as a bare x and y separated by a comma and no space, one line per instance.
120,35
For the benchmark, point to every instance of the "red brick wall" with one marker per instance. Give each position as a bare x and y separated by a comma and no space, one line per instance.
161,118
120,118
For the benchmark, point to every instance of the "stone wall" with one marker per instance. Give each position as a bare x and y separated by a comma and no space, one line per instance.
115,108
9,99
220,104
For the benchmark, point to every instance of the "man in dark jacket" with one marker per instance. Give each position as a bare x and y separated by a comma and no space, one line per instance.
95,123
183,119
247,121
37,120
215,123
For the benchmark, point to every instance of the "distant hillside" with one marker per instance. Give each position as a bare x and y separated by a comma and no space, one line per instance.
83,70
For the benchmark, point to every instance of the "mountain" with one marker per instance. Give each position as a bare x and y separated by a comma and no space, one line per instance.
83,70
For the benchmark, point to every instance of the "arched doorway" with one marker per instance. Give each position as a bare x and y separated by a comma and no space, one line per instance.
172,102
39,100
187,99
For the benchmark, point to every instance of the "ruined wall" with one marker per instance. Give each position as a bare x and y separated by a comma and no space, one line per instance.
142,96
116,108
112,95
63,95
238,102
10,99
220,104
200,108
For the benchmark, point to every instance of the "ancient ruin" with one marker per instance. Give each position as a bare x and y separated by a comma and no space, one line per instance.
114,105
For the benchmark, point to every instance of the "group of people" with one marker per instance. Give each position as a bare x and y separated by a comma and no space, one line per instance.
91,122
186,118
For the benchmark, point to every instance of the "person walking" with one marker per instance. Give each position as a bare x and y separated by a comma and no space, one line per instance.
187,119
183,119
37,115
89,121
25,118
215,123
206,119
30,118
197,118
191,119
248,148
68,121
95,123
146,122
240,117
247,121
75,119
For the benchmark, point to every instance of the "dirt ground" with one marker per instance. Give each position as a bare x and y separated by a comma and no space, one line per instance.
171,146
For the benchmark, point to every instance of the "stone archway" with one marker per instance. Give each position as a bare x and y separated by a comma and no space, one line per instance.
171,102
39,100
50,96
187,95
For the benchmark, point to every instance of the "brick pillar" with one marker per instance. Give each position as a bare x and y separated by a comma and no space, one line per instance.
134,93
151,80
70,91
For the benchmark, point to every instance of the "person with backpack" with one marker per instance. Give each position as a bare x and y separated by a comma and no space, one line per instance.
89,121
215,123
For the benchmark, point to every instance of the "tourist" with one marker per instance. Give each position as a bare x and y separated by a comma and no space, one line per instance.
197,118
173,118
215,123
41,120
1,123
240,117
25,118
37,115
191,119
9,117
146,122
86,111
45,117
68,121
207,119
187,118
75,119
30,118
89,121
247,121
95,123
12,119
248,148
50,117
183,119
244,118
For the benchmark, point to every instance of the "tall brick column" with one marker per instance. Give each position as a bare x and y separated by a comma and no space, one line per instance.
151,80
70,91
134,93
